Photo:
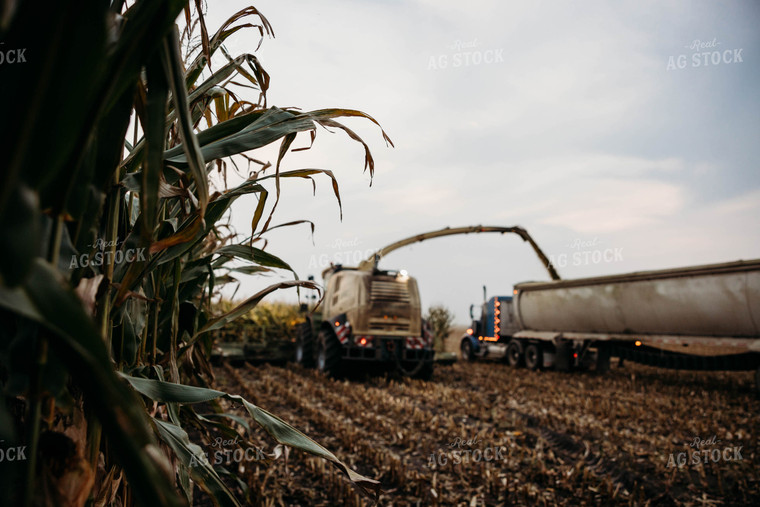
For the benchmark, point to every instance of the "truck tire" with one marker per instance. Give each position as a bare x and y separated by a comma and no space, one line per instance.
328,352
514,354
603,352
305,346
534,356
563,359
466,350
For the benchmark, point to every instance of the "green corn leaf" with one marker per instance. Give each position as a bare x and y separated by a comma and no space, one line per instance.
21,235
253,254
172,60
288,435
155,134
169,392
196,463
250,303
273,125
281,431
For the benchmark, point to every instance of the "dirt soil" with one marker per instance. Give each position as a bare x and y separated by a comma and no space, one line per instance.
485,434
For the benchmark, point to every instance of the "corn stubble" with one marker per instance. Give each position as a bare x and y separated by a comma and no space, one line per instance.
115,123
577,439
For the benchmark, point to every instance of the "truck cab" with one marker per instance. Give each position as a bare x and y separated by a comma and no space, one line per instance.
490,332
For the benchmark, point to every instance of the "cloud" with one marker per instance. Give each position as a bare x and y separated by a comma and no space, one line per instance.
613,205
744,204
579,132
416,198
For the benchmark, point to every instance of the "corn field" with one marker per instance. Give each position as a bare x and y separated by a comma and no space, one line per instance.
264,324
128,134
486,434
114,243
482,434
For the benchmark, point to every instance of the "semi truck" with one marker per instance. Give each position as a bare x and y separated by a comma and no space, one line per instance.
651,317
371,317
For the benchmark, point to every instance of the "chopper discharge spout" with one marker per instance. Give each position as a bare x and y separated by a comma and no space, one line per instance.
371,264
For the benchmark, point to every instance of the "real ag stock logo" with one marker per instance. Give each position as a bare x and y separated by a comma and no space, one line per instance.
705,451
345,252
17,453
11,56
221,456
466,54
104,255
586,252
705,54
470,450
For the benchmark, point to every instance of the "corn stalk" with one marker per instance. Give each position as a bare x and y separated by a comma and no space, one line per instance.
112,243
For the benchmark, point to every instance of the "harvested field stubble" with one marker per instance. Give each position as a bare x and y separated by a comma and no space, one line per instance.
485,434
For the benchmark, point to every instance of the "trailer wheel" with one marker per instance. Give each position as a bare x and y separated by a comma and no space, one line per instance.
466,350
515,354
328,352
305,346
533,356
603,358
563,359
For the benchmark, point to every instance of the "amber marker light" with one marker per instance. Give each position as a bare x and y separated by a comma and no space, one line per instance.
497,320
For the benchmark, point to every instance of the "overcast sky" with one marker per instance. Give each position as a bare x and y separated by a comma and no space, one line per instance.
588,123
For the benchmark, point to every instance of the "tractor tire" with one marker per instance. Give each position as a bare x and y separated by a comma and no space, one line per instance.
514,354
534,357
466,350
305,346
328,353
